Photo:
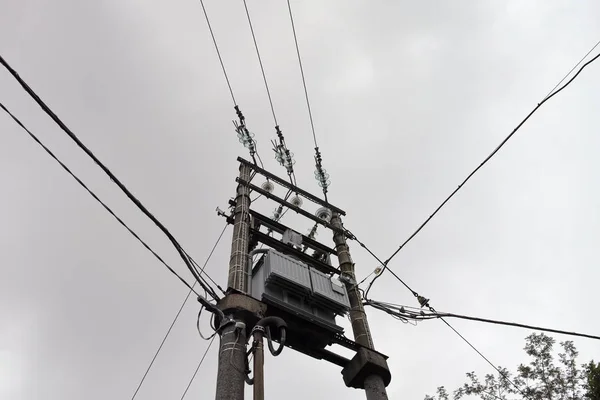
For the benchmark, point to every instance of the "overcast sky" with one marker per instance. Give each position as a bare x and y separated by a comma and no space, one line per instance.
407,97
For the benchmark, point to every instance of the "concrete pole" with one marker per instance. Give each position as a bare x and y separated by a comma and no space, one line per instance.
232,354
232,363
375,388
374,385
238,278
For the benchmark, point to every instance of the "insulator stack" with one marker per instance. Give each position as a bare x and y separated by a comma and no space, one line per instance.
321,174
244,135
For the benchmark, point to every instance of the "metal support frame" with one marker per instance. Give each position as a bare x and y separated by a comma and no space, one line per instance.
289,205
284,248
280,228
291,187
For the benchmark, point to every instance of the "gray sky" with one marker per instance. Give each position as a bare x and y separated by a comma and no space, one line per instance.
407,97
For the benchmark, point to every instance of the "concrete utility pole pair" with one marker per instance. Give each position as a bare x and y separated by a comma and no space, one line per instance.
367,370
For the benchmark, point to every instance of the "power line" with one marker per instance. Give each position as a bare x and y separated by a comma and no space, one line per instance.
198,367
389,308
177,316
249,141
112,176
554,93
381,263
262,69
484,357
107,208
537,328
282,153
321,174
312,125
202,270
573,69
218,52
425,302
402,312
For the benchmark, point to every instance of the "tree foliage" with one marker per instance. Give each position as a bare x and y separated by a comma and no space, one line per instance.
543,378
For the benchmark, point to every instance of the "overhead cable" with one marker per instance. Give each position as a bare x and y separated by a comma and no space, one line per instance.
198,367
492,154
91,193
244,135
262,69
404,312
504,376
400,313
112,176
177,315
282,153
321,174
218,52
312,125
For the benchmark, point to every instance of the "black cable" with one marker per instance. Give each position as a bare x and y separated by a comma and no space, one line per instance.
202,269
312,125
260,62
112,176
205,285
177,315
484,357
161,345
399,310
258,155
262,69
382,263
218,52
323,177
573,69
385,266
404,317
159,258
198,367
537,328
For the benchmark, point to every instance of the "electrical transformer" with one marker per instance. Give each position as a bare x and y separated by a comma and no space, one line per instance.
300,289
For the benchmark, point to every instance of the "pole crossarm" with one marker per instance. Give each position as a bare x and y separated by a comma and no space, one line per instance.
291,187
289,205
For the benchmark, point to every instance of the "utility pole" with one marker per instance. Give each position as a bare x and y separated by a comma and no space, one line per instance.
373,383
290,296
232,353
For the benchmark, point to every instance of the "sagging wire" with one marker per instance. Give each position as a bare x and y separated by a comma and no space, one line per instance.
212,325
405,312
401,313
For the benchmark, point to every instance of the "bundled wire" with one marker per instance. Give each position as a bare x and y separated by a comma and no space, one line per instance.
112,176
406,313
91,193
401,313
